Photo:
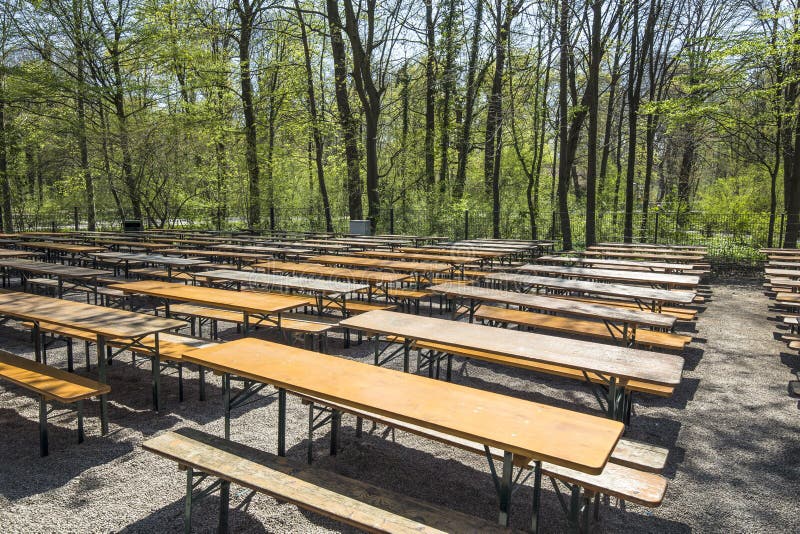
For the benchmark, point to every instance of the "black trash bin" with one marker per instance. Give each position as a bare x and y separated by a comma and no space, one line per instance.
132,225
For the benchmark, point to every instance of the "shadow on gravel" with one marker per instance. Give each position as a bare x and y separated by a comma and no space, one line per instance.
68,459
205,516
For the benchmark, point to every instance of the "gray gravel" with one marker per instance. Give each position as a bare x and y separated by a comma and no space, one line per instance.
731,430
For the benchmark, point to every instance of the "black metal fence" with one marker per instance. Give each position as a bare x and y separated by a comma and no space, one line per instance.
730,238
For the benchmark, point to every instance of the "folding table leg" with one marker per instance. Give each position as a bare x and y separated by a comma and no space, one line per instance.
43,438
187,505
224,500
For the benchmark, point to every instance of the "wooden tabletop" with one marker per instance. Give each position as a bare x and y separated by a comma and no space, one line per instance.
100,320
9,253
640,265
656,255
640,277
433,249
213,253
62,247
314,285
340,273
700,248
526,429
245,301
560,306
649,250
788,273
598,288
54,269
403,266
441,258
621,362
264,251
151,258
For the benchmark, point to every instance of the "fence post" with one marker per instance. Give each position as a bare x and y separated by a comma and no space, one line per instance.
391,221
75,218
272,218
466,224
53,225
655,232
780,235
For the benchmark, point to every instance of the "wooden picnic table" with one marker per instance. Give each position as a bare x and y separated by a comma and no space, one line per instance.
239,258
14,253
453,252
105,323
634,277
57,249
251,304
327,293
421,271
700,248
278,252
677,268
646,297
615,363
670,256
117,244
621,322
454,260
171,263
524,430
80,276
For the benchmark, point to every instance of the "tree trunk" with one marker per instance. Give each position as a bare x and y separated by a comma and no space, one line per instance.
592,90
246,18
315,132
430,95
5,179
564,166
469,105
347,121
448,88
80,106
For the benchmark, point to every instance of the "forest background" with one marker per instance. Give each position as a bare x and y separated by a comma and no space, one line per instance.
582,121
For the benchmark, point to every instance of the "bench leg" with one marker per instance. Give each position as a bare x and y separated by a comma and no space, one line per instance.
281,422
504,490
43,438
575,509
202,373
180,382
79,409
156,382
70,359
88,359
537,496
224,503
336,423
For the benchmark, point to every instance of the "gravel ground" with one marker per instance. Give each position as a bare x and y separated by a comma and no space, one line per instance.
731,429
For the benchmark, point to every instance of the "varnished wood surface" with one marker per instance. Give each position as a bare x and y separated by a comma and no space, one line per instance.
530,430
314,285
324,271
699,248
622,362
559,306
53,269
641,265
53,383
62,247
352,502
9,253
598,288
659,256
213,253
108,322
650,250
266,251
403,266
610,274
432,249
441,258
151,258
245,301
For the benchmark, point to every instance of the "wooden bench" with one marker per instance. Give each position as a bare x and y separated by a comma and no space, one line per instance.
632,474
50,384
161,274
349,501
580,327
406,298
308,326
355,307
106,294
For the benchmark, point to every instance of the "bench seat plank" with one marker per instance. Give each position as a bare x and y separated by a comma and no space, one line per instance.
52,383
326,493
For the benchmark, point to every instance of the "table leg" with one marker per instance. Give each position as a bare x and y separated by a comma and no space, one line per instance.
37,341
281,422
504,492
156,377
101,374
537,496
226,401
43,438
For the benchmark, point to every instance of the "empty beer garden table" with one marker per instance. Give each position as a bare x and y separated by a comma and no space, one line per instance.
277,252
620,322
264,307
677,268
665,255
616,364
172,264
635,277
81,277
56,250
377,280
105,323
327,293
422,271
524,430
16,253
239,258
645,297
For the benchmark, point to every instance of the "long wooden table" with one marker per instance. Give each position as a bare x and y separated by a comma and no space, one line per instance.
620,322
277,252
105,323
335,292
171,263
421,271
80,276
615,364
456,262
524,430
653,266
635,277
259,305
645,297
671,256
